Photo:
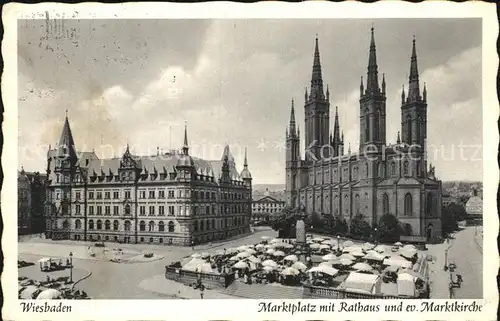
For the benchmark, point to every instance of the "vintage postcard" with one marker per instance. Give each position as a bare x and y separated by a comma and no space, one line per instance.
267,161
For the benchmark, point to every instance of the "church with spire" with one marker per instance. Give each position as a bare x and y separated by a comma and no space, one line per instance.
380,178
167,198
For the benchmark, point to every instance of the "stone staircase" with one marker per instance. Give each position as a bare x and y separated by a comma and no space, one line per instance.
263,291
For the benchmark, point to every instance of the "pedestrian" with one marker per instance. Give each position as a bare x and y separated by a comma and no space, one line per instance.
201,294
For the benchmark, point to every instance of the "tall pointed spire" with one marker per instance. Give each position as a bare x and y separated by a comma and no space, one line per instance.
383,83
245,162
245,173
305,95
403,98
414,89
292,120
336,128
67,144
185,147
425,92
361,87
317,78
372,74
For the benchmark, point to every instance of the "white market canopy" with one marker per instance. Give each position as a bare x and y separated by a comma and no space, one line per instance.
49,294
290,271
270,263
324,269
324,247
360,282
254,259
348,243
195,255
279,253
318,239
251,251
406,284
397,261
328,242
314,246
291,257
380,248
299,266
243,255
234,258
362,267
347,256
240,265
368,246
374,256
270,251
329,257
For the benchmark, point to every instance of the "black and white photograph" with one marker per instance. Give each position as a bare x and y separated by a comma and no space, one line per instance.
257,159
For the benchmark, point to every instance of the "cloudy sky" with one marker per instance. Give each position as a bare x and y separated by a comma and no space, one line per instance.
232,81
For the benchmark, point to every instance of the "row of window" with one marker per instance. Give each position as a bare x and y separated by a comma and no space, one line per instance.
211,224
380,171
202,210
201,195
408,204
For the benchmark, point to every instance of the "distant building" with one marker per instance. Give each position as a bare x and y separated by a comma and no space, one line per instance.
23,203
474,207
448,199
264,207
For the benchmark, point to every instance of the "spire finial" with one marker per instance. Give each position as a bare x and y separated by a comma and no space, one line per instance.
372,74
66,112
403,94
383,83
185,148
413,88
317,78
245,163
292,119
425,92
399,139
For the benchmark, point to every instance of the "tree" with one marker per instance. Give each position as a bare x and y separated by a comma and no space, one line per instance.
360,227
389,230
450,216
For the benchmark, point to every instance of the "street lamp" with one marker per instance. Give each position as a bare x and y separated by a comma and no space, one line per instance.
376,239
445,260
71,267
338,243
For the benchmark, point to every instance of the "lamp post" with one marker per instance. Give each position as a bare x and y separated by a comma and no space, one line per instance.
338,243
71,267
376,238
445,260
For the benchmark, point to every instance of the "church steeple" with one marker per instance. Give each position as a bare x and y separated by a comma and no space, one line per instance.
372,74
383,84
292,131
361,87
66,148
413,89
336,128
317,78
403,98
425,92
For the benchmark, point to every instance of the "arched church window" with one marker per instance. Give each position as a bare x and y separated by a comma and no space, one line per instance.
385,204
356,204
408,205
409,129
381,170
406,168
429,205
419,122
367,128
393,169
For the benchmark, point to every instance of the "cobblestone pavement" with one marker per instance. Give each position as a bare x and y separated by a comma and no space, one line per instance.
464,252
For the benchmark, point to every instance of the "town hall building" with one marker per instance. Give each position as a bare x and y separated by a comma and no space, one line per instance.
380,178
167,198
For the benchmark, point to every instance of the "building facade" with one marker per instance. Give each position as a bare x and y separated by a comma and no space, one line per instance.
380,178
170,198
264,207
474,206
23,203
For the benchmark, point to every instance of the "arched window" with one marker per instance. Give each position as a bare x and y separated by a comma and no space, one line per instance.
213,224
367,128
429,204
65,224
115,225
91,224
127,225
195,226
161,226
381,170
406,168
99,224
419,122
208,225
171,226
78,224
107,225
336,205
356,204
202,226
151,226
393,169
385,204
408,205
142,226
346,204
127,209
409,129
